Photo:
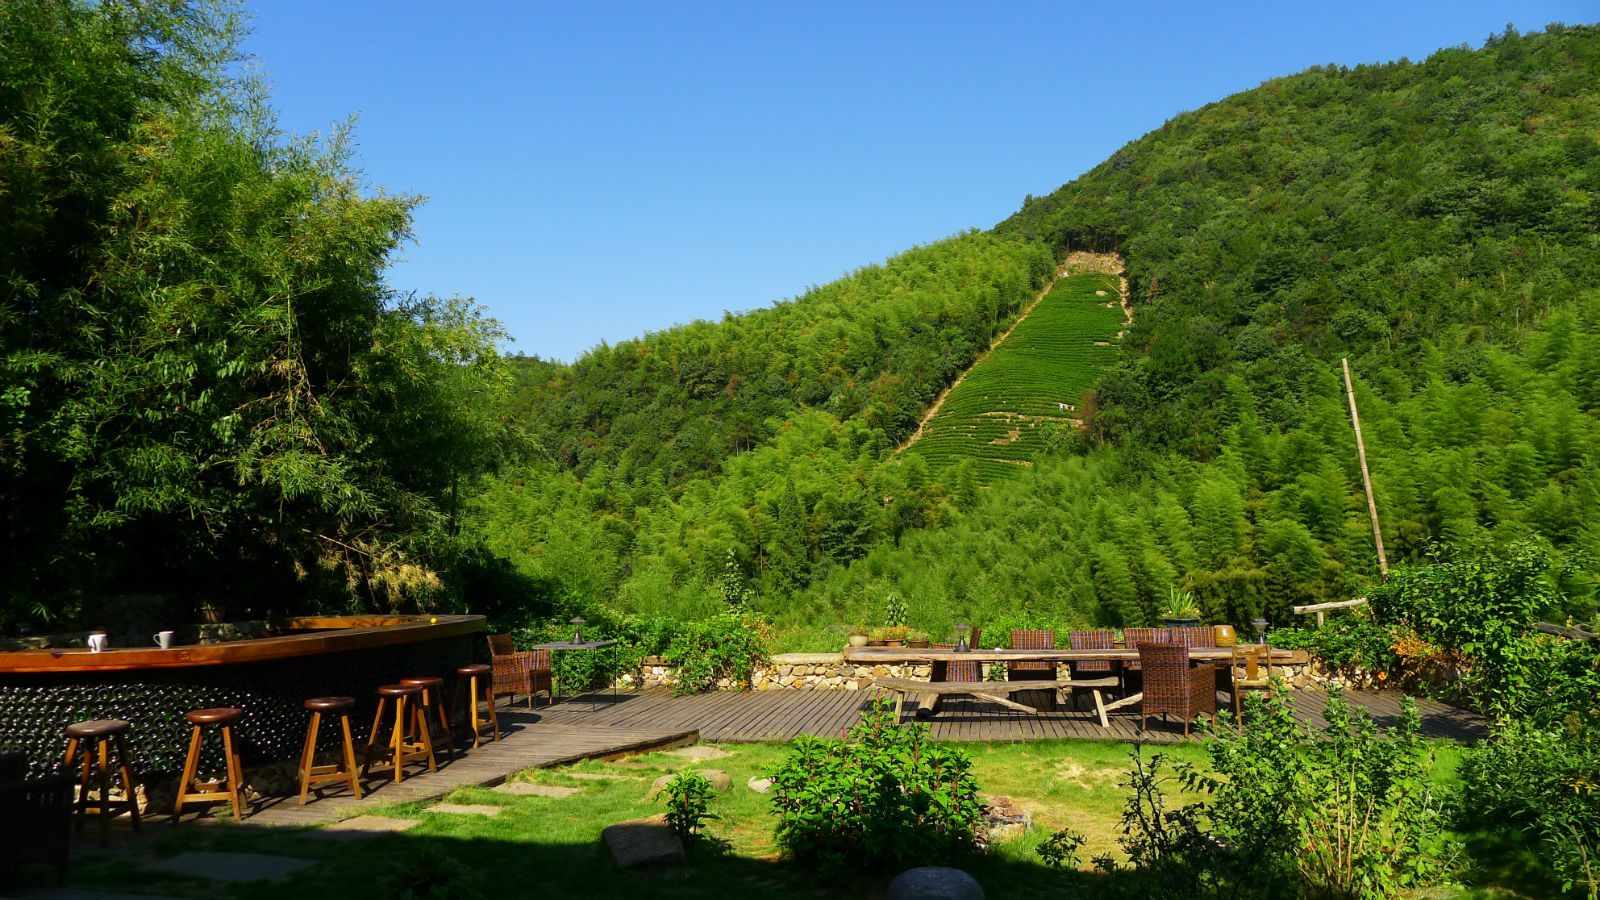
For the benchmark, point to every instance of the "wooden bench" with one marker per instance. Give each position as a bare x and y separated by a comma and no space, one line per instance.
927,693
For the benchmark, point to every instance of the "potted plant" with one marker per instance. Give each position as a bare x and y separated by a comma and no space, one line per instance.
1180,610
915,638
857,637
888,636
210,613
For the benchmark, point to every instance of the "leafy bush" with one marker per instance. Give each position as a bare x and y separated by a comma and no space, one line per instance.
1482,606
1546,781
1350,641
688,801
1060,849
884,795
727,646
433,874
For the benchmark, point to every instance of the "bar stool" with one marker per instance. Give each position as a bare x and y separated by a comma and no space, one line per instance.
104,733
221,789
433,702
480,689
311,774
407,699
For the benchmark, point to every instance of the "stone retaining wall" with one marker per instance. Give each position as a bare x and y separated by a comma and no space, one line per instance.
830,671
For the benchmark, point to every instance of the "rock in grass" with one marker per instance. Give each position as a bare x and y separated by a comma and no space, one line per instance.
524,789
759,785
699,752
643,842
934,883
720,780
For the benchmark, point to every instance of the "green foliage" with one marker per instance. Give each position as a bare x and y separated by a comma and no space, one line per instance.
1060,850
1546,781
206,387
894,611
884,795
1483,606
1345,642
725,647
688,805
1180,605
431,873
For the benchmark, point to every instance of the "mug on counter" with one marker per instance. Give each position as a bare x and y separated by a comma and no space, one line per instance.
164,639
97,642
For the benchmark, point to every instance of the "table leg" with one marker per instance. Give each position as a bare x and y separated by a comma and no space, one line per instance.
1100,708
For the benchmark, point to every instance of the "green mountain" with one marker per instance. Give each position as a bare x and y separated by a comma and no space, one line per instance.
1436,222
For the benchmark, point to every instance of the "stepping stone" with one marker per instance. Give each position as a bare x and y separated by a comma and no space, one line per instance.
643,842
598,776
720,780
759,785
464,809
364,827
934,883
232,866
61,893
698,752
524,789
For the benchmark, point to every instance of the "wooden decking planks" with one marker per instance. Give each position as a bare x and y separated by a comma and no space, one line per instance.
781,715
529,742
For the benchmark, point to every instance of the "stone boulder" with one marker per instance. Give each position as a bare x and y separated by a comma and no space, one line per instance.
934,883
643,842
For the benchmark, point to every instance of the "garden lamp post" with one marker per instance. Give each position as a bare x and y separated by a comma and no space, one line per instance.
961,637
577,629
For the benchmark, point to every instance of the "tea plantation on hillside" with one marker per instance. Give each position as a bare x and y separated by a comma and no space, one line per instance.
1007,408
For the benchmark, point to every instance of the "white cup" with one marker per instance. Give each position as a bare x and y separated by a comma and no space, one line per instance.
97,641
163,639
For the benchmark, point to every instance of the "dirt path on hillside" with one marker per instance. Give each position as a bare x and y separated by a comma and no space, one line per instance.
1077,263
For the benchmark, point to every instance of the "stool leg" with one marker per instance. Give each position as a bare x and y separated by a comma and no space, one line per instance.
83,786
103,751
307,755
421,716
494,717
233,771
472,700
127,782
190,763
350,756
372,737
444,722
398,741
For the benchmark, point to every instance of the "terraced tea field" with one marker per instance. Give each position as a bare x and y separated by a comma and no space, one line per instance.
1003,412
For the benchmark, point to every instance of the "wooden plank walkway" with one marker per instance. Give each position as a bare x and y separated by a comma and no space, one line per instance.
781,715
530,741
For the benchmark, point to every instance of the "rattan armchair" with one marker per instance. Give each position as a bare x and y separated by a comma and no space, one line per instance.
1032,670
1171,686
959,670
519,671
35,818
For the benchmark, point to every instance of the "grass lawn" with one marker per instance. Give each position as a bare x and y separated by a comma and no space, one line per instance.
549,847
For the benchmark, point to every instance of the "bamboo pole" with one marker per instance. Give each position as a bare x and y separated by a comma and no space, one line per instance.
1366,477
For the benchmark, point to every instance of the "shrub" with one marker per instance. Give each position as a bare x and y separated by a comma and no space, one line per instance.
727,646
688,801
1060,850
884,795
1347,642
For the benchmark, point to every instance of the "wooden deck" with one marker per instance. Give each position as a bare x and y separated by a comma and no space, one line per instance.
781,715
531,741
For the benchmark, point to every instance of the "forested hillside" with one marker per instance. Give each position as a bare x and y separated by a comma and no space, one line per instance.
1438,222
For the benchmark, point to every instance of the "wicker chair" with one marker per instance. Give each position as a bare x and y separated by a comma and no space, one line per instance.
1133,637
1250,669
960,670
1194,636
1171,686
1028,670
35,818
519,671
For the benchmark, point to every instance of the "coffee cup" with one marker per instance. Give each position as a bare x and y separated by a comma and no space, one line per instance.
97,642
163,639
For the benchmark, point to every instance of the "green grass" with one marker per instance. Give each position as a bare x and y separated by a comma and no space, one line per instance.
1005,411
549,847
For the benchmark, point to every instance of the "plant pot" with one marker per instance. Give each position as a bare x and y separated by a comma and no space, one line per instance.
919,645
876,643
1225,635
893,643
857,640
1181,623
211,615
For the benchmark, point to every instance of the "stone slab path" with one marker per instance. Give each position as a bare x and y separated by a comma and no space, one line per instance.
232,866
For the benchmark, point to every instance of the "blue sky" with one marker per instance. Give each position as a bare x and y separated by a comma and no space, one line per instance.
596,170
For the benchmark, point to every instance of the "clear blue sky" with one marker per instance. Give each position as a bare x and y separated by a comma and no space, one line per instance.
596,170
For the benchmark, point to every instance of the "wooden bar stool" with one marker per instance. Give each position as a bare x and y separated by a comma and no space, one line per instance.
311,774
222,788
398,749
478,682
432,701
103,733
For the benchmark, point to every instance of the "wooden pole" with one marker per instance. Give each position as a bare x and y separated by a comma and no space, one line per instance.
1366,477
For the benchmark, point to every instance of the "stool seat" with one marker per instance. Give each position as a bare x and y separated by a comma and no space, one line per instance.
217,715
97,728
330,704
400,690
478,669
424,681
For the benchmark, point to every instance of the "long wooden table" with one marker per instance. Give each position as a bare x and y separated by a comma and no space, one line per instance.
903,686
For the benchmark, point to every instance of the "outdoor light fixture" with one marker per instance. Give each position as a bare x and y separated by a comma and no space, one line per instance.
961,638
577,629
1260,626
